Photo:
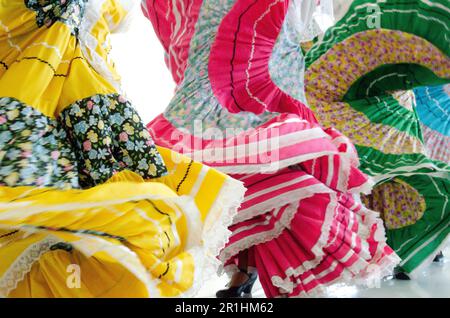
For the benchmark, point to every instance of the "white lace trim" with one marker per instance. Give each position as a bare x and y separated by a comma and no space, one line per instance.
309,18
364,276
388,263
23,263
370,218
355,274
286,284
210,240
281,200
89,42
259,238
87,245
215,234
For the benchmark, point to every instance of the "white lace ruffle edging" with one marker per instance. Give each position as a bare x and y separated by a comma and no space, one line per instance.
23,263
206,243
215,234
89,42
360,273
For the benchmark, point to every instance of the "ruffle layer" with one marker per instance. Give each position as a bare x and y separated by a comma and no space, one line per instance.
324,239
161,242
433,109
360,77
417,216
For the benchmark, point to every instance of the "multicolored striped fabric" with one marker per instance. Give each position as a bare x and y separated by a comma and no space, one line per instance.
89,206
359,80
299,218
433,108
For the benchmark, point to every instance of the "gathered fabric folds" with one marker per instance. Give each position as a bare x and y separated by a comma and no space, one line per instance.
239,107
89,205
378,76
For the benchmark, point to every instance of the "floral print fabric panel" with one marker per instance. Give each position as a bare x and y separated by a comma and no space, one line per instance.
33,150
399,204
106,136
48,12
109,137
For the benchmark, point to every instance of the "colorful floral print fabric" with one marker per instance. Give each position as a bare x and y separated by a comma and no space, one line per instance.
109,136
106,136
33,150
48,12
399,204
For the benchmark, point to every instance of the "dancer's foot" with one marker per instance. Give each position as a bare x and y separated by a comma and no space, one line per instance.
439,258
240,286
401,276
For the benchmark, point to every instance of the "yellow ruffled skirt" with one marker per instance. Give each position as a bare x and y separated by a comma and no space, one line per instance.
125,238
89,207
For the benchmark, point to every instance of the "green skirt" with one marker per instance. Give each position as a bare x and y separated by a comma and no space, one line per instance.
359,79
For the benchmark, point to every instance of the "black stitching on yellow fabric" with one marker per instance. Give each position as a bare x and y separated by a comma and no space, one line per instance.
70,67
159,211
4,65
166,271
9,234
50,65
37,59
185,175
81,231
168,239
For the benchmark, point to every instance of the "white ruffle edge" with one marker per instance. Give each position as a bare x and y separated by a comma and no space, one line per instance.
250,241
348,277
213,237
22,265
89,42
364,277
217,235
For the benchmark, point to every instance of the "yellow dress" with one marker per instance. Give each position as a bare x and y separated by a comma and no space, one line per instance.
89,206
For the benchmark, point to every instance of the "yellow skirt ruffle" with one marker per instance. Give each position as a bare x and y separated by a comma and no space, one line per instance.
125,238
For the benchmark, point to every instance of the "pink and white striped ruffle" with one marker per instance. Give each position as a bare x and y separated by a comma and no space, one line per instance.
299,215
298,218
174,23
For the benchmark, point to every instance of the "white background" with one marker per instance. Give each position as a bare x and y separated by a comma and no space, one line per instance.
139,58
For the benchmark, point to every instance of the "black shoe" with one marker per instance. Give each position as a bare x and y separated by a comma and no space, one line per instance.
401,276
242,291
439,258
